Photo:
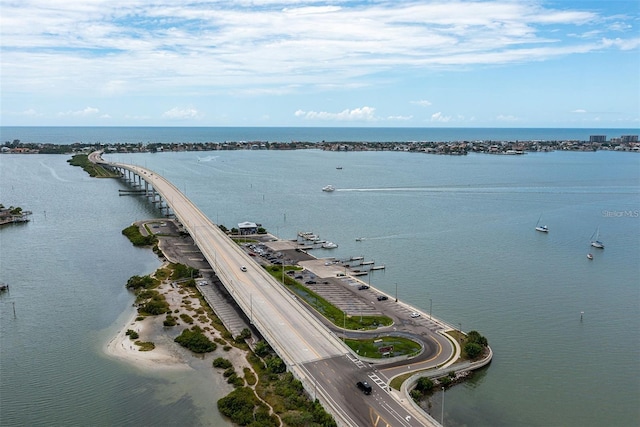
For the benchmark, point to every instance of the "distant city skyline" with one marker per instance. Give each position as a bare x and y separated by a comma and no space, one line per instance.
502,63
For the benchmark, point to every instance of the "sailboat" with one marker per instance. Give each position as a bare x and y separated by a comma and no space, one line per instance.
595,239
542,228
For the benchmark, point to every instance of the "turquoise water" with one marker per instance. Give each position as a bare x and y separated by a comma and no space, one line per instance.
454,231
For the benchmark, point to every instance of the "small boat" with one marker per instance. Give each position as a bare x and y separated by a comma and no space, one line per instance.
359,239
328,188
4,287
329,245
542,228
339,167
595,239
590,256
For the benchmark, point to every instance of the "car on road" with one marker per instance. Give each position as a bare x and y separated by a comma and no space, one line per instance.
243,268
364,386
414,314
310,282
363,287
382,297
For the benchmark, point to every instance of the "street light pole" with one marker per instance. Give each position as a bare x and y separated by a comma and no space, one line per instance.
396,291
344,326
442,416
430,307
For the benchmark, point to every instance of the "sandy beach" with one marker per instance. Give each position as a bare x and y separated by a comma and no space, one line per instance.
167,354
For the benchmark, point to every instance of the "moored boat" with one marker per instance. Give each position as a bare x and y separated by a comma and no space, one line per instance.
595,240
541,228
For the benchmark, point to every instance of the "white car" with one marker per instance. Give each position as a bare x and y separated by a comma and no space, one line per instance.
243,268
414,314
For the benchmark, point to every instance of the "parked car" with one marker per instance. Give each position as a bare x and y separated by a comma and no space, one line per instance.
363,287
382,297
364,386
310,282
243,268
414,314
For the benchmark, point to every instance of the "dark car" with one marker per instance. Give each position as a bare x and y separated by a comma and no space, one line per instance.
382,297
310,282
364,386
362,287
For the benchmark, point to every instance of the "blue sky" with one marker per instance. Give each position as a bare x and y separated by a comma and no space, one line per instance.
391,63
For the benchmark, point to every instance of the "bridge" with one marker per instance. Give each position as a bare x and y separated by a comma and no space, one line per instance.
313,353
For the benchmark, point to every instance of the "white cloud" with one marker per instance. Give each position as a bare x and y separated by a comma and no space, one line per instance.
399,118
579,111
181,114
439,117
506,118
140,54
30,112
87,111
357,114
138,46
622,44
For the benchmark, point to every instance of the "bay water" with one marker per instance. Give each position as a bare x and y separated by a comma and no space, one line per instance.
456,235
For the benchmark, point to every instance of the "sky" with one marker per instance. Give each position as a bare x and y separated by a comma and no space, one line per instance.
460,63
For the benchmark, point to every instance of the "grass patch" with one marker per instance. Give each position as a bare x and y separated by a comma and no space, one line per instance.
145,345
371,348
133,234
95,171
328,310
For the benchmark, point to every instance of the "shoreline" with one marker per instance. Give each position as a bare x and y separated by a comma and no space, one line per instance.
121,347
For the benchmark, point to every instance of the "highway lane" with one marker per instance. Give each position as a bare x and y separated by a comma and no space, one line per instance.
305,344
295,335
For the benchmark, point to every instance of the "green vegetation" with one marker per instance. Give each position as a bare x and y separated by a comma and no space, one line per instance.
328,310
132,334
475,345
150,302
169,321
222,363
371,347
133,234
195,340
186,318
245,409
96,171
145,346
244,334
141,282
423,388
155,305
280,389
181,271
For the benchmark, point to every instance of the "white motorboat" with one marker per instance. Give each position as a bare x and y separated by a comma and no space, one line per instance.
329,245
328,188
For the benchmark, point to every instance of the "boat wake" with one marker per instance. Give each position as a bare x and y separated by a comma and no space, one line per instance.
53,172
207,158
